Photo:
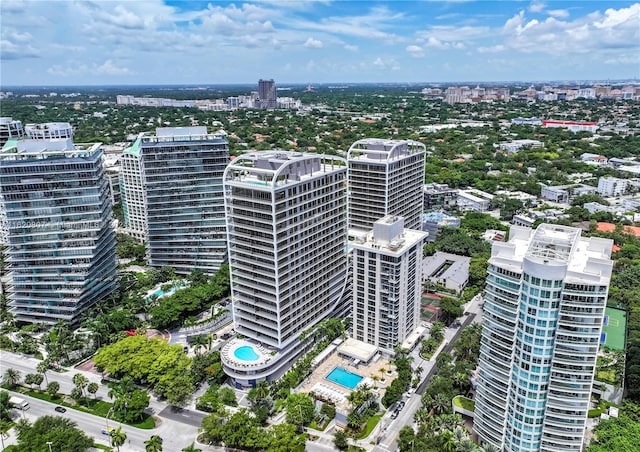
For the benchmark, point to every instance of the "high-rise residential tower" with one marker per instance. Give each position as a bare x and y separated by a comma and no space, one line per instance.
287,233
10,128
387,283
61,243
171,186
267,94
386,177
545,299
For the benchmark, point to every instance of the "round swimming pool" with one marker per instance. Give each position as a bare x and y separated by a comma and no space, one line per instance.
246,353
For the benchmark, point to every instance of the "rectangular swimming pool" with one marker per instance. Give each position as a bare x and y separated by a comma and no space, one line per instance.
344,378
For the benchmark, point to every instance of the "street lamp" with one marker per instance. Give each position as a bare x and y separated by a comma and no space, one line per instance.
49,443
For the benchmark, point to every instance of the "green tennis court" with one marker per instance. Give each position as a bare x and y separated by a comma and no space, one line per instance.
614,328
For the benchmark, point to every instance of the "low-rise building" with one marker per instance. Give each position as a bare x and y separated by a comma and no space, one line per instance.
474,200
449,270
612,186
440,196
433,222
516,145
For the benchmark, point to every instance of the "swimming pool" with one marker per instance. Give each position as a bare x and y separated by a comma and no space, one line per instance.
344,378
246,353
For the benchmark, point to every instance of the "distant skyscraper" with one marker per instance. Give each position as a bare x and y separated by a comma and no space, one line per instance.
267,94
61,243
171,186
287,233
386,177
545,298
387,283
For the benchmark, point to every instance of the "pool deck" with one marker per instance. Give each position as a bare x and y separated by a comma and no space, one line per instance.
371,370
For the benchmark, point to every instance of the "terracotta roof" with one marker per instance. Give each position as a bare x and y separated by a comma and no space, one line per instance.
610,227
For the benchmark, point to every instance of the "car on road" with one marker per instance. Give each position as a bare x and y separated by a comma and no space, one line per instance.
107,431
395,414
60,409
400,405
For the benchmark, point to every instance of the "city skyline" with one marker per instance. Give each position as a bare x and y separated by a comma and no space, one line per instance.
62,43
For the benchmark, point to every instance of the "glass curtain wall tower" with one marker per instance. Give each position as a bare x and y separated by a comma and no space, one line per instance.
386,177
178,197
61,243
545,298
287,233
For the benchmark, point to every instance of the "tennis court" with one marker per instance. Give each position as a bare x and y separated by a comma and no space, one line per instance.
613,329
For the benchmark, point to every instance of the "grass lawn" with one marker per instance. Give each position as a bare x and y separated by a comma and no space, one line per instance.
371,423
464,403
314,425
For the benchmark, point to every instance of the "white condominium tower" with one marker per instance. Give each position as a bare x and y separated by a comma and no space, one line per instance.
287,234
61,243
386,177
387,283
545,298
171,185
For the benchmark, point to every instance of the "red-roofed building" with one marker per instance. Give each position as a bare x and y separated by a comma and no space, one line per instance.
610,227
572,125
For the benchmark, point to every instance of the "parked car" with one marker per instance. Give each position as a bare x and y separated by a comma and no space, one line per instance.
395,414
60,409
400,405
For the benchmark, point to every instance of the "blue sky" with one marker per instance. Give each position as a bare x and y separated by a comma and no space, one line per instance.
128,42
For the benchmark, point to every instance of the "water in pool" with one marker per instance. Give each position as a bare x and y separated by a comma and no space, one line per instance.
246,353
344,378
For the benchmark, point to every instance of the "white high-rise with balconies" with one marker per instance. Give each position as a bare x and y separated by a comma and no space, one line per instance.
386,177
545,299
387,283
60,243
287,234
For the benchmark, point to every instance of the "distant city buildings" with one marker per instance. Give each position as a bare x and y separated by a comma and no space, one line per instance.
171,185
572,126
517,145
60,238
464,94
474,200
287,239
545,297
266,88
387,283
385,178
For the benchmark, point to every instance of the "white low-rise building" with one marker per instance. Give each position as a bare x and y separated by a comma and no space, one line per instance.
612,186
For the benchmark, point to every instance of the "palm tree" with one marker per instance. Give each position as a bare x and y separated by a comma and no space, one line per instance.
489,448
198,342
448,441
191,448
466,446
460,434
153,444
5,426
5,406
118,437
421,416
42,368
11,377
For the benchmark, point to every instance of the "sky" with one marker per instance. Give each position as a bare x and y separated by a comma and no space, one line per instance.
149,42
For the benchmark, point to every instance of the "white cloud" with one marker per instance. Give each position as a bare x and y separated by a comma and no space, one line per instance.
351,47
492,49
415,51
558,13
111,69
536,7
313,44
